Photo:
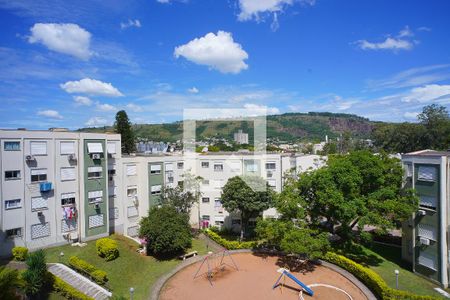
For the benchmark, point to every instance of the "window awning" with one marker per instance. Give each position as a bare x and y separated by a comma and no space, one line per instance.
95,147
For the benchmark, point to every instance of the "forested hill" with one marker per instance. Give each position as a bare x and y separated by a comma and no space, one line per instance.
311,126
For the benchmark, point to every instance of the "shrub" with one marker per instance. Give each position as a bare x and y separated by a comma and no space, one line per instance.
372,280
107,248
230,245
35,276
9,283
20,253
67,291
82,266
167,232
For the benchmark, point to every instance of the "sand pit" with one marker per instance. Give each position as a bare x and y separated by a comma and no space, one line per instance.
255,279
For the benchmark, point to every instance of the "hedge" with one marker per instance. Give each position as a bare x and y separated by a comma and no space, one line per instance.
82,266
67,291
230,245
20,253
372,280
107,248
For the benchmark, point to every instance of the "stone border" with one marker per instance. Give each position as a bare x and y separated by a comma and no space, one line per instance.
159,284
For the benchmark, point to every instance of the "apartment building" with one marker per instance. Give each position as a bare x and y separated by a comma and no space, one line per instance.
425,240
54,186
59,187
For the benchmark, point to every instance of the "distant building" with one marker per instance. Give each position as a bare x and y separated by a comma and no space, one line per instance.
241,137
425,235
152,147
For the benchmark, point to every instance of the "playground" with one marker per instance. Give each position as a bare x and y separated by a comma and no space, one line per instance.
253,276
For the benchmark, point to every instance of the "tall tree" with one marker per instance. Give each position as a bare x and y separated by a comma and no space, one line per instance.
250,200
123,126
436,120
178,198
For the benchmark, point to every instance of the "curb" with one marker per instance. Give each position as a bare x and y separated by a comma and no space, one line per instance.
158,285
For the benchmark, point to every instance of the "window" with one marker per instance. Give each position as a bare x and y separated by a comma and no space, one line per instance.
155,169
38,175
155,190
15,232
94,172
270,166
426,173
428,201
132,191
428,260
11,146
180,165
68,174
95,196
181,183
96,221
217,202
252,167
111,148
169,167
39,203
111,172
205,182
169,177
68,225
112,191
235,166
113,213
427,231
12,175
67,148
205,200
40,230
206,217
132,211
218,167
205,164
131,170
67,199
133,231
11,204
272,183
38,148
95,148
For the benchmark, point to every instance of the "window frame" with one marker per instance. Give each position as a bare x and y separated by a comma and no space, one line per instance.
38,176
11,142
15,207
11,236
17,172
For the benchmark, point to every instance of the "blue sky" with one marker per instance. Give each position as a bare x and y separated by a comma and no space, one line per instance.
75,63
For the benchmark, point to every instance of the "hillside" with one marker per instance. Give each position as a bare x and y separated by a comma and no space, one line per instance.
286,127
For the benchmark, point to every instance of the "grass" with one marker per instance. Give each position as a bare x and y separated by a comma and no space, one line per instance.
384,260
130,269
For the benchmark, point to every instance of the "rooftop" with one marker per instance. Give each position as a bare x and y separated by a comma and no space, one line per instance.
428,152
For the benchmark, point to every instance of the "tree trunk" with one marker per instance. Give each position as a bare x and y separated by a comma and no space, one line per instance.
243,223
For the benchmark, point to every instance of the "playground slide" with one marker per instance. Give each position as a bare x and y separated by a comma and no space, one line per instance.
304,286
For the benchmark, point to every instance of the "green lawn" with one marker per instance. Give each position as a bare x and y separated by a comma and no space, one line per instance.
130,269
384,260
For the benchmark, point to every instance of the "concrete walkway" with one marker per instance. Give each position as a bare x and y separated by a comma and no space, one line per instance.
79,282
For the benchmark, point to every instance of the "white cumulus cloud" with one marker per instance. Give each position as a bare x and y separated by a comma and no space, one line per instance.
91,87
429,93
217,51
65,38
253,9
105,107
96,121
402,41
81,100
193,90
130,23
49,114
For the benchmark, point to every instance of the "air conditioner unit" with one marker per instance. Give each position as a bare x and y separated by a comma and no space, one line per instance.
40,214
421,212
424,241
72,157
96,156
97,206
135,201
30,157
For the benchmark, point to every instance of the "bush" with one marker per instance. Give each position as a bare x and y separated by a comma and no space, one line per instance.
35,276
166,230
67,291
372,280
230,245
107,248
82,266
20,253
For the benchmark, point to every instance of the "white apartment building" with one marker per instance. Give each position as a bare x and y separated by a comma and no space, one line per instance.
59,187
241,137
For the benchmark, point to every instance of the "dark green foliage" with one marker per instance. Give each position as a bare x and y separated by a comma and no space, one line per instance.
107,248
307,242
250,198
166,230
9,283
177,197
84,267
432,132
123,127
36,274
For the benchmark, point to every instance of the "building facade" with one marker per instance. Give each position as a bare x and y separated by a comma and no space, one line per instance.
59,187
425,235
241,137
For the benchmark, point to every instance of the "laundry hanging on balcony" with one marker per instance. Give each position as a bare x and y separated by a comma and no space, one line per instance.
69,213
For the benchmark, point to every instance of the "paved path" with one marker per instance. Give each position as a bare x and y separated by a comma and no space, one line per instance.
79,282
210,244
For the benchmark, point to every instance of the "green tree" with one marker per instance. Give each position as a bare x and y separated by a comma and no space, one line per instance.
9,283
249,196
36,274
123,127
178,198
310,243
192,185
166,230
436,120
